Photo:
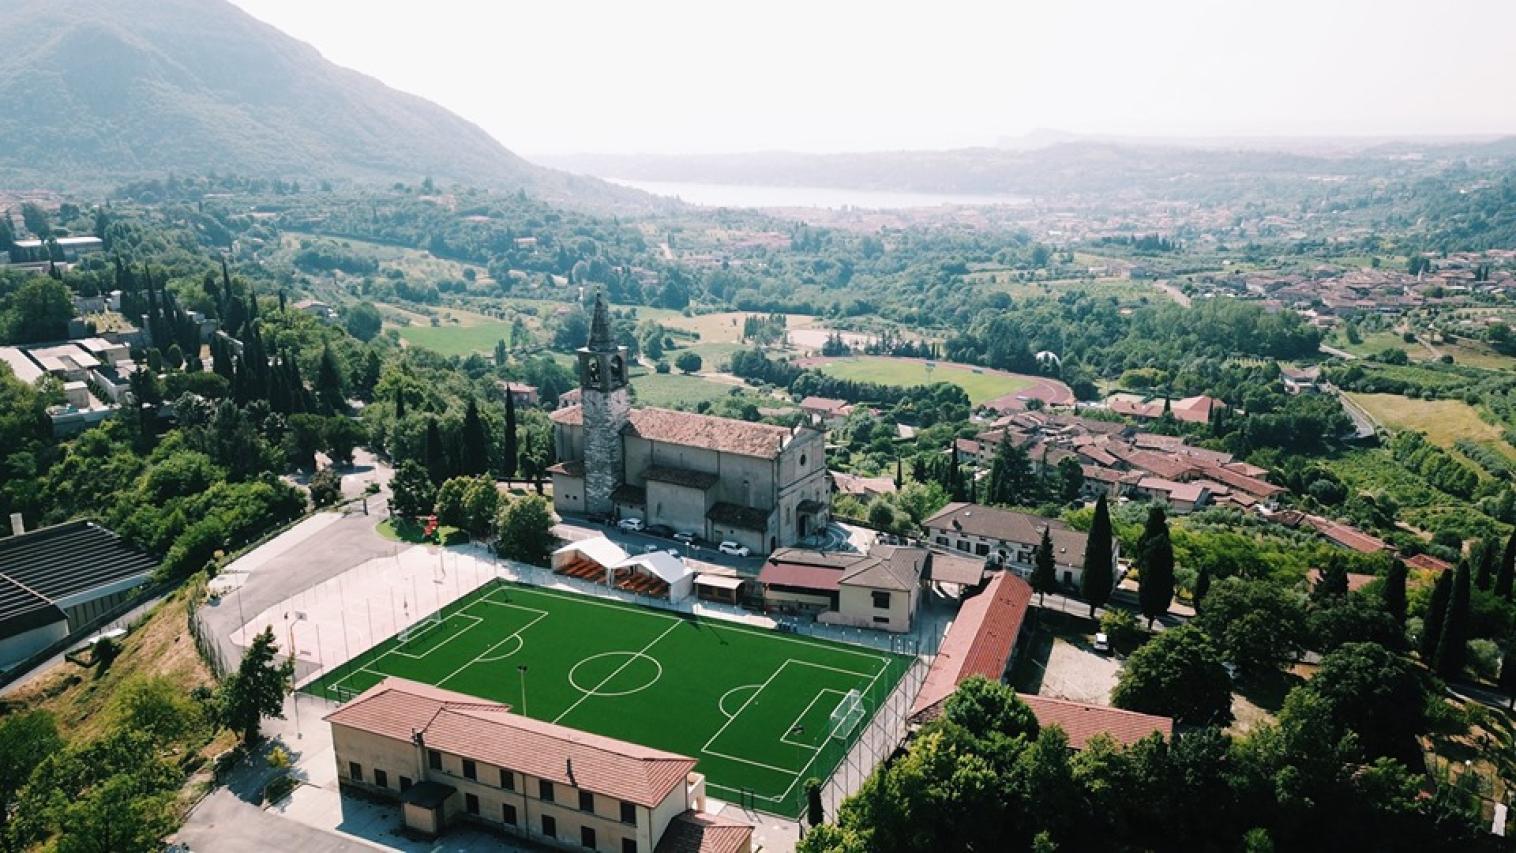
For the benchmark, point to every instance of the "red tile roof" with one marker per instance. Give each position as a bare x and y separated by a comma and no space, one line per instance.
726,435
697,832
487,731
800,575
1082,722
980,640
1428,562
1356,580
1346,536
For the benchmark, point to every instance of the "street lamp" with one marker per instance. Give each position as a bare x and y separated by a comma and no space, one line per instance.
522,670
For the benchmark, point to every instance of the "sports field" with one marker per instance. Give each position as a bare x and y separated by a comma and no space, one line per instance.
760,710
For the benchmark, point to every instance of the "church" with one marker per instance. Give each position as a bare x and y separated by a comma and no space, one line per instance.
760,485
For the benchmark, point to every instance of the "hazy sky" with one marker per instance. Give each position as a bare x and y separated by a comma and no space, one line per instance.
564,76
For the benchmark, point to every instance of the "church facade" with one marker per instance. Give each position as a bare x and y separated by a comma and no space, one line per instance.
761,485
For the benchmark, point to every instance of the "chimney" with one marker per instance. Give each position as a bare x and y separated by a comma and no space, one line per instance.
18,524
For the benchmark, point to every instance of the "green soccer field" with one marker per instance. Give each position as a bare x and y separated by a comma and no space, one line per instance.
760,710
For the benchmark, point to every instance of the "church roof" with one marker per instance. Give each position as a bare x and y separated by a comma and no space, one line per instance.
725,435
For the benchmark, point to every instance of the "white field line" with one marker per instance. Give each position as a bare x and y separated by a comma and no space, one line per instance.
459,633
864,692
516,634
617,670
785,738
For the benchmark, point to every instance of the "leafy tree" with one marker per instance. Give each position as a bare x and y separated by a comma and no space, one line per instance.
1178,674
1010,475
1070,479
1352,619
326,487
814,813
1377,694
116,817
1507,571
340,436
1394,592
1044,577
39,310
329,385
26,740
524,530
1333,583
411,491
1452,646
984,707
1436,613
1202,586
688,362
481,503
1255,624
1099,577
364,321
155,706
257,689
1155,563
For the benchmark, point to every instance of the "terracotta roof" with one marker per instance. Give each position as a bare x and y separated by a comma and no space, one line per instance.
686,477
745,517
1082,722
1242,482
1356,580
887,567
1166,465
980,640
824,404
725,435
1428,562
1010,526
1346,536
947,567
852,484
487,731
697,832
809,576
1185,492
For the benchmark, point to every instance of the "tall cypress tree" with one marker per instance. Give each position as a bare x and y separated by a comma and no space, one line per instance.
1507,568
1437,610
1453,647
1044,572
1202,586
1394,592
435,456
329,383
1099,574
1155,562
1488,554
512,452
473,454
1507,681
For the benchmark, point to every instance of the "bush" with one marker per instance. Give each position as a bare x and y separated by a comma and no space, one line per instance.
326,487
1484,658
1121,627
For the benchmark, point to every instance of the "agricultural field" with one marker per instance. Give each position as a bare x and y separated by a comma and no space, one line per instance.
981,384
1445,422
676,390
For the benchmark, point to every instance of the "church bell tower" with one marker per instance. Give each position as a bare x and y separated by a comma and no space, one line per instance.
607,405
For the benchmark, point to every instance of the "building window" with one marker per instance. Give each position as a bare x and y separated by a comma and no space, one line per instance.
549,826
507,779
508,814
355,771
434,759
962,546
405,784
881,600
545,790
942,540
586,802
881,620
381,778
629,813
587,837
982,549
470,770
471,802
628,845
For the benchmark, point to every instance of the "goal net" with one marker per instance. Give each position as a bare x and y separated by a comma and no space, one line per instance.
419,627
847,715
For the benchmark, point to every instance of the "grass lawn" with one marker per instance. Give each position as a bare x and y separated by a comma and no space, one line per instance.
1443,421
409,530
457,340
980,385
761,711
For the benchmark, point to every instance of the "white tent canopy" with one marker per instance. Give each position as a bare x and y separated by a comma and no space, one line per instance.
667,568
597,548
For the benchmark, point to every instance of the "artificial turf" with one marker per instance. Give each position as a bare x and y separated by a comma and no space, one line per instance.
755,707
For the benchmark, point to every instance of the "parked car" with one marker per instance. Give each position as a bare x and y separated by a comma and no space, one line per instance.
648,549
731,548
660,530
1102,643
632,524
675,552
685,537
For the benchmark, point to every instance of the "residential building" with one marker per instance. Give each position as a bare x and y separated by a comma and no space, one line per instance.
1011,538
760,485
1182,498
1298,380
880,589
447,757
520,393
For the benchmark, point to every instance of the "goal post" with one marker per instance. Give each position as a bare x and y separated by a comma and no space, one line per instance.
847,715
419,627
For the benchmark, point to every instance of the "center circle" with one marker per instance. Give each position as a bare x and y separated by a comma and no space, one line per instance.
615,673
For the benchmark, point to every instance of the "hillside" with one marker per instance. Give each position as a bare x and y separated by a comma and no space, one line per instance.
99,91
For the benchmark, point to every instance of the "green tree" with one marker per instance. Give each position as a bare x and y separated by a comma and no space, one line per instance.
814,814
1452,646
1099,557
364,321
688,362
27,738
1255,624
1177,674
340,436
511,456
156,706
1010,475
39,310
325,487
1394,591
434,453
481,503
1507,572
257,689
984,707
329,386
1431,622
1202,586
412,494
1506,682
502,353
1044,577
117,817
474,444
1377,694
1155,564
524,530
1070,479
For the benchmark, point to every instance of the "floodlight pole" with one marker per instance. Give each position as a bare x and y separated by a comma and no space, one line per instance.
522,670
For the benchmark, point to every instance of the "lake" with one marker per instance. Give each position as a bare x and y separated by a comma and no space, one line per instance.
752,196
